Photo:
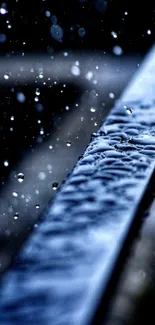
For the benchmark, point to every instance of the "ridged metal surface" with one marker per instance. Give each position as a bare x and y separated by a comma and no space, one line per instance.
67,262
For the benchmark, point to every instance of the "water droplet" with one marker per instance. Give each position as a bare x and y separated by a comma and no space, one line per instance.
15,194
41,75
37,206
81,32
16,215
117,50
3,11
89,75
21,97
149,32
47,13
41,131
67,108
20,177
93,109
55,186
68,143
42,176
2,38
111,95
37,91
12,118
57,32
75,70
114,34
6,163
129,110
6,76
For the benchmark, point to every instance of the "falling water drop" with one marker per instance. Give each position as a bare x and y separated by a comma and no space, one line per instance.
20,177
55,186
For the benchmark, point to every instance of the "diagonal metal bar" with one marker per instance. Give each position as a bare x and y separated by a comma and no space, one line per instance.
69,267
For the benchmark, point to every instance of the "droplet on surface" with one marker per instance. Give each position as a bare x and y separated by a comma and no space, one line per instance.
20,177
37,206
55,186
129,110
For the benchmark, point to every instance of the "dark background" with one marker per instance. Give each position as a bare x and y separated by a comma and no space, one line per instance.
99,18
83,25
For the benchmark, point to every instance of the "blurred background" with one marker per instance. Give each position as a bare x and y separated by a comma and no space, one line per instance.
63,64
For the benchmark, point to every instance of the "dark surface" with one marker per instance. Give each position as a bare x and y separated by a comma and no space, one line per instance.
64,267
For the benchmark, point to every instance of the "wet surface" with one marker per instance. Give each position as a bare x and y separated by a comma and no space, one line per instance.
58,274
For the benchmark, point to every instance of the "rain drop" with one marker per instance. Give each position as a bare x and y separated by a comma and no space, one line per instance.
20,177
75,70
6,163
93,109
15,194
111,95
3,11
37,91
114,34
117,50
57,32
68,143
2,38
81,32
21,97
42,176
16,215
6,76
